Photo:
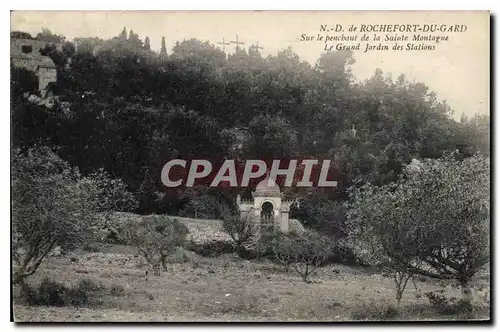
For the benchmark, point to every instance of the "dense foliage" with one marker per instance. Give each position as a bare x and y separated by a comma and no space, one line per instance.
434,220
128,110
51,205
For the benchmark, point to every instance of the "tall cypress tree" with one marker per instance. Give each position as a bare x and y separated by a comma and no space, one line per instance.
147,46
123,34
163,50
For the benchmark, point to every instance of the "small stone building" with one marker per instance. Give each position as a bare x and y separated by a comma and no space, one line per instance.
25,53
268,207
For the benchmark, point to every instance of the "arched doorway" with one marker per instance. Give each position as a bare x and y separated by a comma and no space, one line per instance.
267,216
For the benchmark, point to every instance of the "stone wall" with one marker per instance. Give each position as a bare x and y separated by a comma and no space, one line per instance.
16,45
45,76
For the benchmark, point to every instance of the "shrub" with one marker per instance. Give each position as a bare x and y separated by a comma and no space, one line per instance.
182,255
117,290
52,293
77,297
376,311
448,306
212,248
88,285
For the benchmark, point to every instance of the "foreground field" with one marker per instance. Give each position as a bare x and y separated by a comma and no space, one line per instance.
228,288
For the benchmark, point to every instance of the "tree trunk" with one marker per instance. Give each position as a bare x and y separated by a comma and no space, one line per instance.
19,278
466,291
399,296
164,262
306,273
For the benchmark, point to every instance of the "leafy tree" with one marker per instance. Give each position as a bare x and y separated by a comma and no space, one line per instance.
47,35
155,238
123,35
305,252
128,110
241,228
320,212
433,221
22,81
20,35
147,46
281,245
271,137
113,193
163,50
112,196
134,42
387,232
51,206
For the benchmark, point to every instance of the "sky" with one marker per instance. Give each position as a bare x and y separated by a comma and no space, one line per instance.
457,70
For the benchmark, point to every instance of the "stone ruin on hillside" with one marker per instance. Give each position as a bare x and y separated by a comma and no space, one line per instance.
25,53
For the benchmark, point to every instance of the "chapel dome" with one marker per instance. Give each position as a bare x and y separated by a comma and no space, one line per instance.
267,187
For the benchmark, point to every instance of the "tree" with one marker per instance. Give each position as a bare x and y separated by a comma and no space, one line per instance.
48,36
155,238
271,137
21,81
51,205
128,112
163,50
385,230
433,221
147,46
458,198
123,35
20,35
306,251
281,245
321,213
112,196
241,228
88,45
134,43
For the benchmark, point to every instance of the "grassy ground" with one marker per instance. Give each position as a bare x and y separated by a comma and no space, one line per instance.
228,288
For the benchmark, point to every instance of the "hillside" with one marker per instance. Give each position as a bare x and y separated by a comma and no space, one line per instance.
228,288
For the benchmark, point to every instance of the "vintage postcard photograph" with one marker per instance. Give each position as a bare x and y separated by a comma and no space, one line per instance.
250,166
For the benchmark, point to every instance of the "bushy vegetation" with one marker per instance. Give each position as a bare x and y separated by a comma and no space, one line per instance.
128,110
376,312
52,293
